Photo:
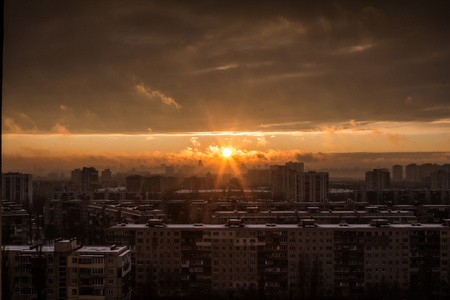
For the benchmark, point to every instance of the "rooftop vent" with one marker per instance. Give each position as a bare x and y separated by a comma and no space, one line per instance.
307,223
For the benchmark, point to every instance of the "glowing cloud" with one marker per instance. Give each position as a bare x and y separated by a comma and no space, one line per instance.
59,129
195,142
155,93
11,125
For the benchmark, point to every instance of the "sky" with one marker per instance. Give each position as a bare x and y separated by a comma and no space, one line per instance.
332,83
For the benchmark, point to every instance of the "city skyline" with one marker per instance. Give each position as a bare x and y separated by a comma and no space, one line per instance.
342,85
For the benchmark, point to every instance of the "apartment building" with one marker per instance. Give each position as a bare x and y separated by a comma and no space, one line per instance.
18,187
67,270
252,215
301,260
15,224
290,183
378,179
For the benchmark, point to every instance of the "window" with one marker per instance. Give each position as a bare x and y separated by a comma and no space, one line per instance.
74,291
97,271
97,281
74,260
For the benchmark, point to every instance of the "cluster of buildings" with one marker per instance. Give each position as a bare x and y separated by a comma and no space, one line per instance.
66,270
280,233
290,183
433,175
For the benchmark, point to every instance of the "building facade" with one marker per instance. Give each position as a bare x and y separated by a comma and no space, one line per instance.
68,271
18,187
291,184
440,180
305,260
311,187
86,179
397,173
378,179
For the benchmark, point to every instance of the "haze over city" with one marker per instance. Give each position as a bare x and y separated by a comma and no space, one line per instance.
270,150
144,83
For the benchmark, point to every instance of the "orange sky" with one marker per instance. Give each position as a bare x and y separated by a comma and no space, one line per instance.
174,81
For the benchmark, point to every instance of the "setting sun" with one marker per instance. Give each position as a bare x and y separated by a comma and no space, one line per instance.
226,152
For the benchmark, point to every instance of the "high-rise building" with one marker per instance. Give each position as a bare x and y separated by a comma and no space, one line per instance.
283,183
290,183
298,167
170,170
135,183
18,187
311,187
378,179
427,169
413,173
440,180
106,178
397,173
257,178
85,180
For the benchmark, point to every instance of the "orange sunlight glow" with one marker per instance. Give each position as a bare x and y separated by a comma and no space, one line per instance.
226,152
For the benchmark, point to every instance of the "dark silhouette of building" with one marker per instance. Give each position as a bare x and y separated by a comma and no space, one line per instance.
18,187
106,178
85,180
397,173
378,179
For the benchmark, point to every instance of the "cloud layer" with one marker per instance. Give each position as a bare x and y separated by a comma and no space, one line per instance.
232,65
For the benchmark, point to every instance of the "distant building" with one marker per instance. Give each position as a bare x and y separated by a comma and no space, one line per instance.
18,187
311,187
298,167
440,180
257,178
429,168
15,224
412,173
378,179
397,173
290,183
170,171
106,178
283,181
196,183
135,183
85,180
68,271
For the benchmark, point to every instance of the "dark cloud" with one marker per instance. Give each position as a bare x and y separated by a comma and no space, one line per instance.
312,157
228,64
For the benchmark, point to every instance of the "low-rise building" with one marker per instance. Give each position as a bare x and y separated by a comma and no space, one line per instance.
67,270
